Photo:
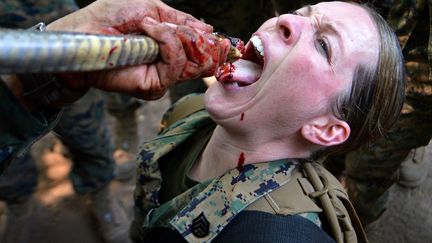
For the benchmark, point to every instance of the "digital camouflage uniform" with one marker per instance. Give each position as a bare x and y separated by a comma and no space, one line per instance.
82,127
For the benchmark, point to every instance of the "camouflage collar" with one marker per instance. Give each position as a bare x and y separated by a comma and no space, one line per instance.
179,131
200,213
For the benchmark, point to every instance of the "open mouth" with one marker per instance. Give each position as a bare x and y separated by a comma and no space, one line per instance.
244,71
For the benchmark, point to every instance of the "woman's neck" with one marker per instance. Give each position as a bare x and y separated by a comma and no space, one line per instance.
226,151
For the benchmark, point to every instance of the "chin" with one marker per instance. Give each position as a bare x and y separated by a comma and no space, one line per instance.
213,103
218,106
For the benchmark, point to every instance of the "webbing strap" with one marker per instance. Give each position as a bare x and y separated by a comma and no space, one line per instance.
325,201
343,220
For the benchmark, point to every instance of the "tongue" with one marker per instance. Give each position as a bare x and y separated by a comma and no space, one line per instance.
243,72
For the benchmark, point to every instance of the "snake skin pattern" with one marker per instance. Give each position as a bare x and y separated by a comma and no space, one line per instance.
34,52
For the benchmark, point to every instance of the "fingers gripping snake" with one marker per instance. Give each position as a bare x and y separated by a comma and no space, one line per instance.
39,52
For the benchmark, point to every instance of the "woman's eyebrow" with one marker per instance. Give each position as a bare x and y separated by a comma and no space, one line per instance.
325,22
308,9
329,26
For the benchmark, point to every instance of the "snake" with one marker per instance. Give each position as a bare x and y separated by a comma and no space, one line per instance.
51,52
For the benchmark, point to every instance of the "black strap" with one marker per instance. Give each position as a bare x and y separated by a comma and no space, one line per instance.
257,227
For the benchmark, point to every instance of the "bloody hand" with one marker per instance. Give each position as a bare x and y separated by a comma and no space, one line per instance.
185,51
204,52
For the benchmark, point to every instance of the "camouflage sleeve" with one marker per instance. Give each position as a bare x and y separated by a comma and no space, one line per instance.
18,127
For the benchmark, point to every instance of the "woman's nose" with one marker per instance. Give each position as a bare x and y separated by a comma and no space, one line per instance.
290,27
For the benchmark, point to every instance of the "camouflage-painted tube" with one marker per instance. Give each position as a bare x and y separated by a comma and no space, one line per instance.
38,52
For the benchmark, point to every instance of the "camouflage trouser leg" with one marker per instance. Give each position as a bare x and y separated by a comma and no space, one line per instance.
83,129
123,108
371,171
19,180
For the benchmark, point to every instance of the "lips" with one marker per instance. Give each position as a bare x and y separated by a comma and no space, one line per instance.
246,70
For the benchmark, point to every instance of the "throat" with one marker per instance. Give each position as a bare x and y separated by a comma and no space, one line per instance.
204,169
216,159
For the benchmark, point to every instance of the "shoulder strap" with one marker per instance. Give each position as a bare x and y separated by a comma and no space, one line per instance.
342,218
290,199
315,190
182,108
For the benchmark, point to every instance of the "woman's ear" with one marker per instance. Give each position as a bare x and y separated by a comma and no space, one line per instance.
326,131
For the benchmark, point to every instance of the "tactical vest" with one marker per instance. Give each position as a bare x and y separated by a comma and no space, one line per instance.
312,189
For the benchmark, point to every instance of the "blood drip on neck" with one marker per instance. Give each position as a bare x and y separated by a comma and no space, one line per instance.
240,162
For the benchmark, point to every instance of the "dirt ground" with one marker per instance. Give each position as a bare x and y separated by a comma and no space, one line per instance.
408,217
62,216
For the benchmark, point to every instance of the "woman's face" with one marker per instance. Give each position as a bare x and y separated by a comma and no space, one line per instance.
308,59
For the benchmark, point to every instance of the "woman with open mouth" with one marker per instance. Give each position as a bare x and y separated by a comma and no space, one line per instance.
323,80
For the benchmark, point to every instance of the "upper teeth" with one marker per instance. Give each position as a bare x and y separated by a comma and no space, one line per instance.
257,43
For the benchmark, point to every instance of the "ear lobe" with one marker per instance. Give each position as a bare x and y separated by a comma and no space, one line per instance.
326,131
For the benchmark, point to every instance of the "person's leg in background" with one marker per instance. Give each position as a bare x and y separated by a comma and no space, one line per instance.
123,108
84,130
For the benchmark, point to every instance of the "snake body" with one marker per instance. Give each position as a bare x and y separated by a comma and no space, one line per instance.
49,52
38,52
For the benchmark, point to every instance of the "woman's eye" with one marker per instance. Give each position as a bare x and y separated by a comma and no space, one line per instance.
324,47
